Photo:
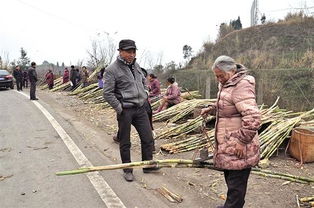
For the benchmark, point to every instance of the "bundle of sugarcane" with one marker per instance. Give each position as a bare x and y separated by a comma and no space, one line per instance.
181,163
92,93
56,83
103,105
189,144
273,136
307,201
81,89
185,128
185,96
93,76
61,87
189,95
155,104
181,110
96,100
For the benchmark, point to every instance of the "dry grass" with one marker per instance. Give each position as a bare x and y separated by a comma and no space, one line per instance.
286,44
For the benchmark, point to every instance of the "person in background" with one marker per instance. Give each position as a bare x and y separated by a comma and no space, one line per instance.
100,76
237,121
125,91
49,79
149,112
78,76
66,76
172,96
32,75
154,86
18,76
25,78
73,77
85,76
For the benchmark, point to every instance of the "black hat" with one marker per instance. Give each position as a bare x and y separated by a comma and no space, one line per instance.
127,44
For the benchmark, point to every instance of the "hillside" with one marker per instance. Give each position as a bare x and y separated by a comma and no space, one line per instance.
286,44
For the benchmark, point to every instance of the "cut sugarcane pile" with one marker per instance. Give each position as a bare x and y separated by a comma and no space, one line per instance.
189,95
184,96
281,123
61,87
96,92
185,128
307,201
81,90
181,110
274,135
181,163
57,82
188,144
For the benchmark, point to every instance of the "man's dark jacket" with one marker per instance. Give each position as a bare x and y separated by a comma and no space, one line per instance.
32,75
122,89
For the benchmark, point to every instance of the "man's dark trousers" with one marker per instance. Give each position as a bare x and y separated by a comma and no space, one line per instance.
32,91
136,116
236,181
19,84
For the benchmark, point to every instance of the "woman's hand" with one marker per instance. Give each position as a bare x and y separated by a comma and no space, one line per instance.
239,150
204,112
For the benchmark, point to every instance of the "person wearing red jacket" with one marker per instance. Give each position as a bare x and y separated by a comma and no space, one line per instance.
153,86
49,79
66,76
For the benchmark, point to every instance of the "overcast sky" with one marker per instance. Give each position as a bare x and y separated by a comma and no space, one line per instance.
62,30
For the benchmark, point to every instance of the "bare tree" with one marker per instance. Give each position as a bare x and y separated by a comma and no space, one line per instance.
103,49
79,63
150,61
4,60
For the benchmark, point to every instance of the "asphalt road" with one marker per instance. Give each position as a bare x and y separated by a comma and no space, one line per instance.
31,151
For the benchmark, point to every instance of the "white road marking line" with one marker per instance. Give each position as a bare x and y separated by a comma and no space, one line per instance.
104,190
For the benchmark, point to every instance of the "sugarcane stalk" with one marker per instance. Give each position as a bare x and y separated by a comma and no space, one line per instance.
166,195
176,197
307,199
279,177
307,179
141,164
181,163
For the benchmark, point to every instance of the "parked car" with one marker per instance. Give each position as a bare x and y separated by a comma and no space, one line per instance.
6,79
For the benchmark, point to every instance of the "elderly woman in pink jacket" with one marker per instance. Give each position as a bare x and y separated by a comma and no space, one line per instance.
237,121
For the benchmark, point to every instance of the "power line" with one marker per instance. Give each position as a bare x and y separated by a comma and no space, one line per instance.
280,10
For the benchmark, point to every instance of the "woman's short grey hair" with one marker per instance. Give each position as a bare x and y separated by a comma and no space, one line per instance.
224,63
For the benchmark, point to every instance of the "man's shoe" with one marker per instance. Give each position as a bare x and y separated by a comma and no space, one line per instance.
151,170
128,176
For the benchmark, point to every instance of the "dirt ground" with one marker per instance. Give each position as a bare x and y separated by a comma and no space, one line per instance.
208,185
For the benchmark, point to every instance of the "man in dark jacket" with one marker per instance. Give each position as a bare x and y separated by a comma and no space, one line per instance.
18,75
32,75
25,78
126,92
73,76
